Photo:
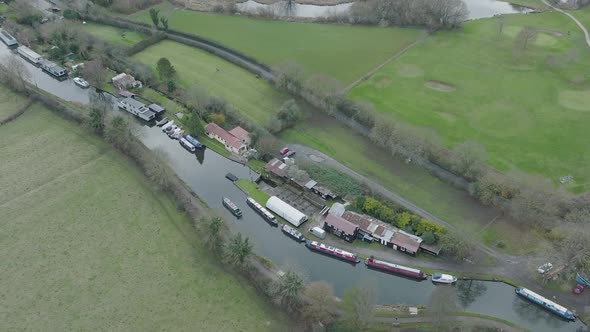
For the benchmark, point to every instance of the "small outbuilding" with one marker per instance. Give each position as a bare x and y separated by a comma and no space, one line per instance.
405,242
156,108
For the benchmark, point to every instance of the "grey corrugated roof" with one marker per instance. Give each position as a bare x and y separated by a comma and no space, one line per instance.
133,102
156,108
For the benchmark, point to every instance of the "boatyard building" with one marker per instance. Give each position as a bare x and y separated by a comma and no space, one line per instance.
340,227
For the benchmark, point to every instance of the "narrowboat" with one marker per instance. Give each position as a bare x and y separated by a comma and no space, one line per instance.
231,177
549,305
232,207
194,141
441,278
582,281
292,232
269,217
395,268
332,251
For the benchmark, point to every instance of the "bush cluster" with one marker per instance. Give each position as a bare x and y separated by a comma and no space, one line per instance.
400,218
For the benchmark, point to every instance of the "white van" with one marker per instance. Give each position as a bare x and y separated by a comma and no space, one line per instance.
318,231
187,145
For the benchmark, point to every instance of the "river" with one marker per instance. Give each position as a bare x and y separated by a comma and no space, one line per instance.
477,9
205,174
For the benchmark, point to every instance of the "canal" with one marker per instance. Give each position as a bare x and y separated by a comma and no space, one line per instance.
205,173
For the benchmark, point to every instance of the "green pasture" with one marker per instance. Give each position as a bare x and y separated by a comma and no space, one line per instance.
88,245
10,102
250,188
112,34
414,184
251,96
530,108
343,52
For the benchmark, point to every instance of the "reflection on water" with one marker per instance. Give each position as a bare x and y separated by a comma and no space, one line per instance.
469,291
477,9
297,10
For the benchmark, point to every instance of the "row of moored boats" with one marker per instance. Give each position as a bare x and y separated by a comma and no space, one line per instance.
385,266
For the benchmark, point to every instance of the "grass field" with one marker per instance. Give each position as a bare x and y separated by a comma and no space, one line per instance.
10,102
112,34
250,189
251,96
3,7
531,111
344,52
87,245
412,183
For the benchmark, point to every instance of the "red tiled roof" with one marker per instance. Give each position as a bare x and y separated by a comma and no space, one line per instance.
229,139
277,167
358,219
379,230
340,223
240,133
405,241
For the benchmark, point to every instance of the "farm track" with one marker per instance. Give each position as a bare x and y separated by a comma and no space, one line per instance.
386,62
578,23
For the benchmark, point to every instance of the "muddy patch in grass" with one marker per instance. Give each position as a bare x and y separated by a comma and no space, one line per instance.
440,86
406,70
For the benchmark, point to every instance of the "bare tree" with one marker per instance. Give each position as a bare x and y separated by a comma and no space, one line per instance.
468,159
538,201
158,171
573,251
443,302
358,306
14,72
524,38
320,303
95,73
289,76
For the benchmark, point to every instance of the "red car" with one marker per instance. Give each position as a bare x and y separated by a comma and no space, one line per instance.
578,289
284,150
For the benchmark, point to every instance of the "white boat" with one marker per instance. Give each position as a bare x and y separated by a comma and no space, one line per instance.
442,278
79,81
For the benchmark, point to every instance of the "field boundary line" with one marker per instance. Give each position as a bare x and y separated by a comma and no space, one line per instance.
578,23
61,176
17,114
386,62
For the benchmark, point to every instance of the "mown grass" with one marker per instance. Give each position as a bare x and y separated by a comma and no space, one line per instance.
344,52
88,245
528,109
112,34
10,102
251,190
252,97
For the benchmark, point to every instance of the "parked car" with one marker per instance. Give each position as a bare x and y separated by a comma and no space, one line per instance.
290,154
81,82
284,150
162,122
545,268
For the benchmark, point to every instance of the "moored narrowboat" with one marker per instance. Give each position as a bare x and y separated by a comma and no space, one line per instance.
395,268
333,252
549,305
264,213
582,281
293,233
232,207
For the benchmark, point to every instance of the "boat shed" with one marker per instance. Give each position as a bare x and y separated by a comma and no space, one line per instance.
156,108
405,242
430,249
310,184
286,211
340,227
276,168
